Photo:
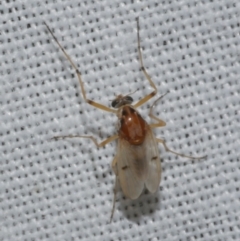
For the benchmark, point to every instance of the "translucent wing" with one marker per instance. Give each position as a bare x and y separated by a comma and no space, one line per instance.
138,166
154,164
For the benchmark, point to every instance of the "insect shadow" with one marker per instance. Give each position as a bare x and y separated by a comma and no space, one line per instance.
145,205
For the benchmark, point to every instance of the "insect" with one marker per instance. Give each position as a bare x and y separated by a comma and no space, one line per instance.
137,162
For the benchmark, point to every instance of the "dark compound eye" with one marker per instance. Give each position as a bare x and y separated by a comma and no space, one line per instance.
115,103
129,99
120,101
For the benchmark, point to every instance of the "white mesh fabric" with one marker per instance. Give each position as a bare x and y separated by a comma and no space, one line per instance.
63,190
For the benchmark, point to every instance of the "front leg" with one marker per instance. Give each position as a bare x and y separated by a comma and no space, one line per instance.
159,122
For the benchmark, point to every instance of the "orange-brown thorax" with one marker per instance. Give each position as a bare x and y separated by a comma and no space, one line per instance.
132,126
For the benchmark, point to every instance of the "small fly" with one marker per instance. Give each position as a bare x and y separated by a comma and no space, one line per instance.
137,162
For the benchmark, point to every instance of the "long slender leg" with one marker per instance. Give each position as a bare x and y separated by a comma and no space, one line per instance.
147,97
160,122
114,167
103,143
114,198
95,104
114,162
176,153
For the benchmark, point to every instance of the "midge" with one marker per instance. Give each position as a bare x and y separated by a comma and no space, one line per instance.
137,163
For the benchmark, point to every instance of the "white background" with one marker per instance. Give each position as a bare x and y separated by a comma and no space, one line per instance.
63,190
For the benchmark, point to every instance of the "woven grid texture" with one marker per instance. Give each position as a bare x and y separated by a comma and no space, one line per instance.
63,190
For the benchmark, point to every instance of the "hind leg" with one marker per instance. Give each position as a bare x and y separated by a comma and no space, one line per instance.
114,167
176,153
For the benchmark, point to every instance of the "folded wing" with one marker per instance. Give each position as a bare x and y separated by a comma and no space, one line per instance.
138,166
